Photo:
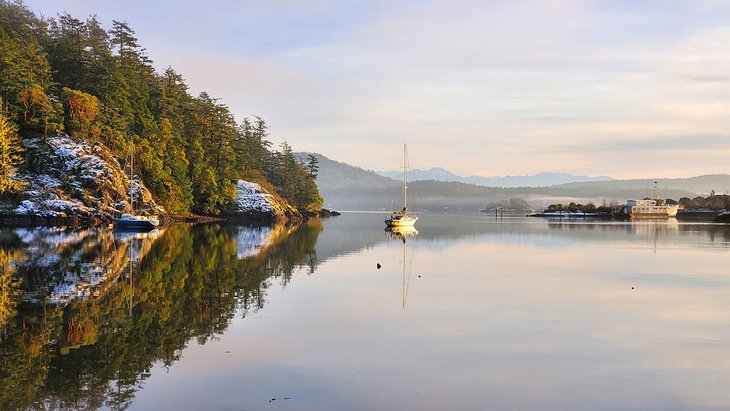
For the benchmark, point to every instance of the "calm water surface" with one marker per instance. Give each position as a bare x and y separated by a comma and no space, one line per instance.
472,313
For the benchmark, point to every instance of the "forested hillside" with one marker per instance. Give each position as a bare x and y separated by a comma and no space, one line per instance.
336,174
65,74
351,188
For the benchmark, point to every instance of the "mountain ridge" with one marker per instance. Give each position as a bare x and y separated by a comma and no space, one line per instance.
535,180
347,187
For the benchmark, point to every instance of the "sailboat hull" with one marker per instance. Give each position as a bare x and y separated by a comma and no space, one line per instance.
133,225
401,221
135,222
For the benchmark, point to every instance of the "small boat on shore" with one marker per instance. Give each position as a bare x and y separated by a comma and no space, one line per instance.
131,221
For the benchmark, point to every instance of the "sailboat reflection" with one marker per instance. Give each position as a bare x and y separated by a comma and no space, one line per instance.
131,278
402,233
135,241
128,235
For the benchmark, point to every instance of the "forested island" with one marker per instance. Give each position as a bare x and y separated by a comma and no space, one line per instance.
77,99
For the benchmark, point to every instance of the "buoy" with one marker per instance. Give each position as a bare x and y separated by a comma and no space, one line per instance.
378,265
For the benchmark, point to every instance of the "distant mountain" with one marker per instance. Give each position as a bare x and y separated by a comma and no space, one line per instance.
700,185
537,180
345,187
436,174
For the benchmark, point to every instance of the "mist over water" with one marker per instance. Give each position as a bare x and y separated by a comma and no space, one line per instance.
472,313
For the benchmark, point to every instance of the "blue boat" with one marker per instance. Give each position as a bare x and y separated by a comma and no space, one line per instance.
131,222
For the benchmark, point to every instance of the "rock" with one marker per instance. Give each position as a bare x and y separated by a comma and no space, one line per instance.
74,181
254,203
318,213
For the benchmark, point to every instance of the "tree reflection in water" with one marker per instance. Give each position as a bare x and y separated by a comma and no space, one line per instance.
77,331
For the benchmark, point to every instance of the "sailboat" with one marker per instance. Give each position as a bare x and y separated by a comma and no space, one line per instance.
131,221
402,218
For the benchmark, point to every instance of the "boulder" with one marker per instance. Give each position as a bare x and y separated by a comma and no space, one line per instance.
254,203
67,179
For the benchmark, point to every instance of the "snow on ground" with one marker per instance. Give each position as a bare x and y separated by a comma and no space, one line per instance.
52,207
78,155
46,181
77,175
251,198
75,162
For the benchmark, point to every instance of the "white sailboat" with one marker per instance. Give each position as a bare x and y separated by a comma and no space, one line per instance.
131,221
402,218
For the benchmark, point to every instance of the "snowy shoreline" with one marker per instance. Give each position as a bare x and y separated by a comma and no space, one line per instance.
86,186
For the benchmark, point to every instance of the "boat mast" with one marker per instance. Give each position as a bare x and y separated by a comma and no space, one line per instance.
131,176
405,153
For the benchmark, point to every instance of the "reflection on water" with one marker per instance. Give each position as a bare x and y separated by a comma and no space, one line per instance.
68,339
513,313
402,234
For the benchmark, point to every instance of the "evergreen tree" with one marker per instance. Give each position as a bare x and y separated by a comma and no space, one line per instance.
137,77
312,165
22,60
252,148
100,86
103,70
10,153
67,51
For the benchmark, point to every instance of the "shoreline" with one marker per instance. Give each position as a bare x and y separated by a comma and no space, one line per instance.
714,216
29,221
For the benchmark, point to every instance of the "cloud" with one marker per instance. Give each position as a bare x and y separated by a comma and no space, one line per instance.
477,87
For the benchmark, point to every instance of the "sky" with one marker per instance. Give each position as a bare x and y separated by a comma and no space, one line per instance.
628,89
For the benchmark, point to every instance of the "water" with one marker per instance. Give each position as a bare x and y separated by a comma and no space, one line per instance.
481,313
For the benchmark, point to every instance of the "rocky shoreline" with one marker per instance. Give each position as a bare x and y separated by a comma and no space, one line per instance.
14,220
82,185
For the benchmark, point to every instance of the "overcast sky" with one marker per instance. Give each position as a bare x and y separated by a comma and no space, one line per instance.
629,88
